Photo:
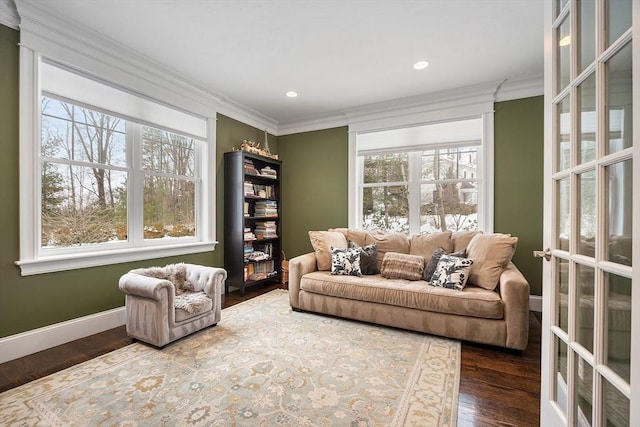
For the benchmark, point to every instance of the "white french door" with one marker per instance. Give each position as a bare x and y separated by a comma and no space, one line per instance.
591,290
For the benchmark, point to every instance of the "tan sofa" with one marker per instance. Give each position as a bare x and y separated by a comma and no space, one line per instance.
497,317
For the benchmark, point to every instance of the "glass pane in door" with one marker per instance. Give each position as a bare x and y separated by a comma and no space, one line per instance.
564,54
561,375
588,120
587,213
586,302
618,18
616,406
619,198
619,101
587,17
562,269
564,135
618,330
584,392
564,213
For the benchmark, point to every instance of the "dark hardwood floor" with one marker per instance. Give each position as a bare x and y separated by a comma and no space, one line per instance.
498,387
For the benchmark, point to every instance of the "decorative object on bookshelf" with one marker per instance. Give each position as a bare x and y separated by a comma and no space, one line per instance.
252,244
254,148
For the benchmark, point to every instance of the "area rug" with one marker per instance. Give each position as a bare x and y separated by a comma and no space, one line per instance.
262,365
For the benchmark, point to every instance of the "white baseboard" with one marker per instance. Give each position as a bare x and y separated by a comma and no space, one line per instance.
23,344
535,303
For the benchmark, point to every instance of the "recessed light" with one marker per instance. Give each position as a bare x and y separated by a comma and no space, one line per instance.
420,65
291,94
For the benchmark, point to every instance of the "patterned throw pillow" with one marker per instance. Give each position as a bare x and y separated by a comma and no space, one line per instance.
451,272
368,257
345,262
430,268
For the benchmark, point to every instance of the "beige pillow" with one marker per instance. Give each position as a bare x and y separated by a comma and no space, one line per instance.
491,253
461,239
361,237
425,244
390,242
402,266
322,241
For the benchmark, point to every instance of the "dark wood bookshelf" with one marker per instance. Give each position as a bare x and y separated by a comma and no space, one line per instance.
239,215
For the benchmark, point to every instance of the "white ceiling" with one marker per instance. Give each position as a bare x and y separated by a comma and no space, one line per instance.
337,54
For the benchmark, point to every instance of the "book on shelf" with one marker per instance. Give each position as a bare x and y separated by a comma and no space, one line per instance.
266,208
269,172
259,270
264,191
249,167
248,234
266,230
248,189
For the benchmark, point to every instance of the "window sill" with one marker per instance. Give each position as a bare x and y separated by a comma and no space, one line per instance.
94,259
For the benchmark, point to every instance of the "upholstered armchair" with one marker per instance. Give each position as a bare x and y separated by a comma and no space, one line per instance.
164,304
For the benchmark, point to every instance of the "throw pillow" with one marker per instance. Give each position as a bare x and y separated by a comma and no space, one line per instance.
345,262
452,272
491,254
390,242
430,268
322,241
425,244
402,266
368,257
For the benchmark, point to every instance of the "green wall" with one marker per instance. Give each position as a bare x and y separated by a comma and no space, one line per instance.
316,168
32,302
314,185
518,177
314,177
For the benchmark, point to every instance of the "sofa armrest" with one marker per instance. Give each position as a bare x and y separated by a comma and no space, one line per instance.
144,286
298,267
514,291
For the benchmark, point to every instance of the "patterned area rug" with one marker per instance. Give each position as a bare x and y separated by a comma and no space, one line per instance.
262,365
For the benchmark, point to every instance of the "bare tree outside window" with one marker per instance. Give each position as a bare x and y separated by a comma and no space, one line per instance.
85,178
448,185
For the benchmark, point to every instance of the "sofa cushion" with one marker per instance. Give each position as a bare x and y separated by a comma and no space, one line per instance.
345,262
361,237
402,266
430,266
390,242
425,244
368,257
322,241
491,253
461,239
451,272
471,301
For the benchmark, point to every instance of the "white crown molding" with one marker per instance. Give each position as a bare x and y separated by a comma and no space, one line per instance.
33,341
9,14
524,87
80,47
416,106
312,124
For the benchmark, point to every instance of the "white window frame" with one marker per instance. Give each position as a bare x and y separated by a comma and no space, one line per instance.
436,113
32,260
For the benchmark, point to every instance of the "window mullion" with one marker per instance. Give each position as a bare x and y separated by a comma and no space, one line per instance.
415,172
135,199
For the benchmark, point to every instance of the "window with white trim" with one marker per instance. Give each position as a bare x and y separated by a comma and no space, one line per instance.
115,174
422,178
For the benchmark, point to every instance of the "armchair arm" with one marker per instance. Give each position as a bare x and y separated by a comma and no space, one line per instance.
514,291
144,286
298,267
